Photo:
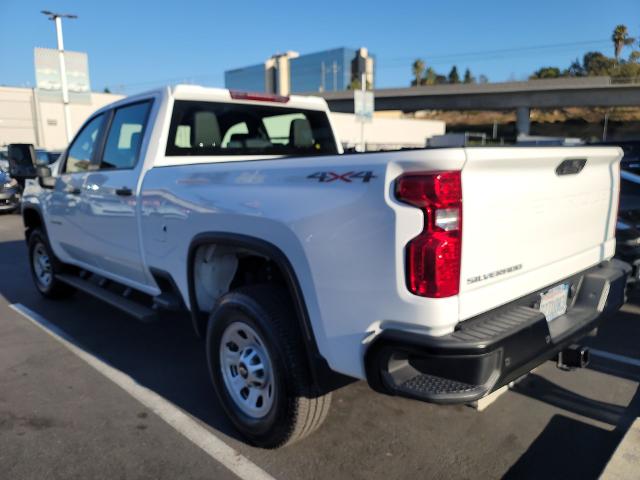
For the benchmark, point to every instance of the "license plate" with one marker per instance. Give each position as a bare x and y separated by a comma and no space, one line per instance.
553,303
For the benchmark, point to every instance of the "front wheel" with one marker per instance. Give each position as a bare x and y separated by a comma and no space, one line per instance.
258,367
44,267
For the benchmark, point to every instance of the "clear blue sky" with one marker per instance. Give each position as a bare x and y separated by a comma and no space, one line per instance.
138,44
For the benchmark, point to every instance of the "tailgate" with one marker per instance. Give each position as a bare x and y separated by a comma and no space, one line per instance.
527,225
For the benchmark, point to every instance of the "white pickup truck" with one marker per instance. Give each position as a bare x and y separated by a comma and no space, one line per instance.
435,274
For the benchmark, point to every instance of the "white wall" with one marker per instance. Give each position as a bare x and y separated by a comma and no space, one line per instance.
385,133
26,119
16,116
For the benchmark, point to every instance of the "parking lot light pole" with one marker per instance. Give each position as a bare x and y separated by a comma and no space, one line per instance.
57,17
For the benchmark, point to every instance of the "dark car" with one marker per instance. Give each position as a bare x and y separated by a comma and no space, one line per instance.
9,192
628,226
631,159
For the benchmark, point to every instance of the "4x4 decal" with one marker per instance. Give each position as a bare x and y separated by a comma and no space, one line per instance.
349,177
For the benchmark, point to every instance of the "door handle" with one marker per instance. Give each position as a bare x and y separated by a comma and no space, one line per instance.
72,190
124,192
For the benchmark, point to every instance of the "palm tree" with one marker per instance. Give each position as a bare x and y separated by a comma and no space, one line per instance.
418,69
621,39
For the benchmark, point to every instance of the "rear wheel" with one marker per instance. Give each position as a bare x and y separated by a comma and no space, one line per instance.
258,367
44,267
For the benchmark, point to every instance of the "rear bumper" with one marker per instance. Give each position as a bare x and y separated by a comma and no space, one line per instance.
494,348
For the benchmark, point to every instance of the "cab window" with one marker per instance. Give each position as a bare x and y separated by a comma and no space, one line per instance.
211,128
122,147
82,148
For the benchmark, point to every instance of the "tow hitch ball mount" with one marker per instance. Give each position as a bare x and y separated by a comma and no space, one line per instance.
574,356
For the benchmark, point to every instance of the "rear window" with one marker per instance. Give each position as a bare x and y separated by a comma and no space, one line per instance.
208,128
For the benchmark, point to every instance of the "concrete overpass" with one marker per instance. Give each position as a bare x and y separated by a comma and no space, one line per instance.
519,96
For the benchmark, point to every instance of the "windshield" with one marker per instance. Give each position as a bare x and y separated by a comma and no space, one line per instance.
207,128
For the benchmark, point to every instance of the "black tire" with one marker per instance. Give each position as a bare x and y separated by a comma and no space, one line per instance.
295,412
54,288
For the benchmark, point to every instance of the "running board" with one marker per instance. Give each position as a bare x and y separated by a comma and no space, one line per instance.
130,307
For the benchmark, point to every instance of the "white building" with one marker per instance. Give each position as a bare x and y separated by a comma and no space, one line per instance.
385,133
27,118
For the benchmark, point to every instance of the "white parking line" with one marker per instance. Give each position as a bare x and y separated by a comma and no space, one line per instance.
615,357
180,421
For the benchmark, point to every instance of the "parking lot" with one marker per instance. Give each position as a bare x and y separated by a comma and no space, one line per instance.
61,417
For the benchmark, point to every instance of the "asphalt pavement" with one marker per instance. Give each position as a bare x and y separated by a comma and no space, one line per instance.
62,417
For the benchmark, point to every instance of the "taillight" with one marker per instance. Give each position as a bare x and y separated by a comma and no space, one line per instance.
258,96
433,257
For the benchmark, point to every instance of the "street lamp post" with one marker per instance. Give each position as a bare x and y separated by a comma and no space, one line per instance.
57,17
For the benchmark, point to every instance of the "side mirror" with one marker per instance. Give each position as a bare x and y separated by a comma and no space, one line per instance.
45,179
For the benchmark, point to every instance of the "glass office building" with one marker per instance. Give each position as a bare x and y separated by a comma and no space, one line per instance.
329,70
249,79
322,71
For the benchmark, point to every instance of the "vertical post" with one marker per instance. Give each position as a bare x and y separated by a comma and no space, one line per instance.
322,75
335,76
523,122
35,115
63,79
363,88
606,126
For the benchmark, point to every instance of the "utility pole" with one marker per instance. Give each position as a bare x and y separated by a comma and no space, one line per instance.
335,76
363,86
57,17
322,74
606,126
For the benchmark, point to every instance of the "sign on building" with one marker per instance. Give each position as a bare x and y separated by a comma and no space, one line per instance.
48,79
363,105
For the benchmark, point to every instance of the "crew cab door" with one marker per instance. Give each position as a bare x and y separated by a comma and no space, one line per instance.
111,194
69,236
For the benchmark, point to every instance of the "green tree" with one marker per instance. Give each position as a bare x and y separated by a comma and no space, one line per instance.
621,39
430,76
483,78
546,72
575,69
468,78
596,63
106,90
627,70
417,68
453,75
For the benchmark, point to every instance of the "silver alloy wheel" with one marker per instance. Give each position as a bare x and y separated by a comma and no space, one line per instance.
42,265
247,369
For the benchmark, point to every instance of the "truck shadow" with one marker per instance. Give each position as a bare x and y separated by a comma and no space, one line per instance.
566,448
541,389
164,356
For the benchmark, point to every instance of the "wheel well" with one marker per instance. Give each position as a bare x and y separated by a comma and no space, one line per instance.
218,269
252,260
31,219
